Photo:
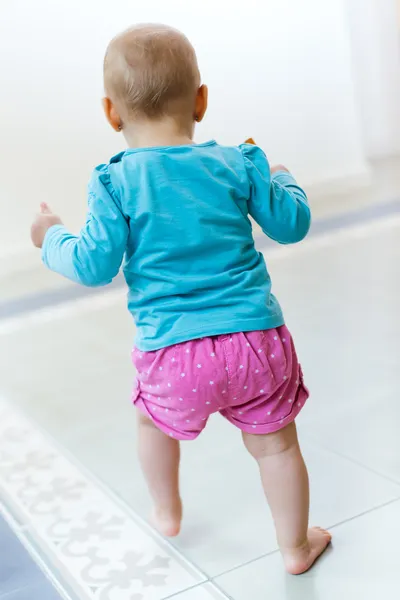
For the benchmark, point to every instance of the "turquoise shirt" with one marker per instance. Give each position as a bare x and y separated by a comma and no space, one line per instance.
179,219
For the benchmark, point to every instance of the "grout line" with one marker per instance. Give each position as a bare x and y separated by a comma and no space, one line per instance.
354,461
11,594
222,595
189,589
365,512
314,441
109,492
218,587
329,527
245,564
198,586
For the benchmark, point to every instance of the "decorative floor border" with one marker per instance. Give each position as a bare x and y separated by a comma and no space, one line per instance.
89,540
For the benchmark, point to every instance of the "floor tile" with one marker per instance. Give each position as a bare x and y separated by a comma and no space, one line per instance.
20,576
100,549
362,563
346,335
227,521
373,441
207,591
222,507
17,568
43,591
80,388
341,301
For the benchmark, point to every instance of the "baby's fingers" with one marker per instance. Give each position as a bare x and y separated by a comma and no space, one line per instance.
45,209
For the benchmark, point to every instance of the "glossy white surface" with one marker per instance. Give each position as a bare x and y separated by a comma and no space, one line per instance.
69,369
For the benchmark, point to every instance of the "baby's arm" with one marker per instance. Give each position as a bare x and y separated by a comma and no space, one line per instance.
94,257
276,202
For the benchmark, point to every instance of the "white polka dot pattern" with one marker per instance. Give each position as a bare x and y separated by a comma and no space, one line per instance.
253,379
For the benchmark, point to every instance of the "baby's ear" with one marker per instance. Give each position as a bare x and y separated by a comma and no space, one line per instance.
111,114
250,141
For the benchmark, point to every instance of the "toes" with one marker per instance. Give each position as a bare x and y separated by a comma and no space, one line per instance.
168,526
326,534
322,531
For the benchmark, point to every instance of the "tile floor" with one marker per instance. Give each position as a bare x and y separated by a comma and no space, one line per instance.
341,293
20,576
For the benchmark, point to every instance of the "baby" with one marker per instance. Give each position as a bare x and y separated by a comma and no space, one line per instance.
210,335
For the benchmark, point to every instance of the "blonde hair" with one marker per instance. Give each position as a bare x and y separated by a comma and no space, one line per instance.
151,71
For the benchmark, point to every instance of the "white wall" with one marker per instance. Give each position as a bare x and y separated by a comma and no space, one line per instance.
278,70
375,35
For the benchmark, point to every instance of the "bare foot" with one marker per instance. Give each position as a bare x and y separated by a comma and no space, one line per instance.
299,560
167,521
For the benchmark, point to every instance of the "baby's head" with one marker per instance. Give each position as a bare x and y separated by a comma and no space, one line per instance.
151,75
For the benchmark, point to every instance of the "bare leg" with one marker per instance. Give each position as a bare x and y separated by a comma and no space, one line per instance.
285,481
159,457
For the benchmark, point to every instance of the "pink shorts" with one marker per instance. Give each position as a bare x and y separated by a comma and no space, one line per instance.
253,379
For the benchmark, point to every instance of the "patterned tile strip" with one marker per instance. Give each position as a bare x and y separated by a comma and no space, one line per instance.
95,545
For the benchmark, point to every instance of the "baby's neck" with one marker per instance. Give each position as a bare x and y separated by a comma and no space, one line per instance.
147,134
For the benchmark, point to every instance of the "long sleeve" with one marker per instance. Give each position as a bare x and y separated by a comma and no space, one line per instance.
94,257
276,202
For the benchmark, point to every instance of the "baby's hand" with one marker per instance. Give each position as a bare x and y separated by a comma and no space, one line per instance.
277,168
44,220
